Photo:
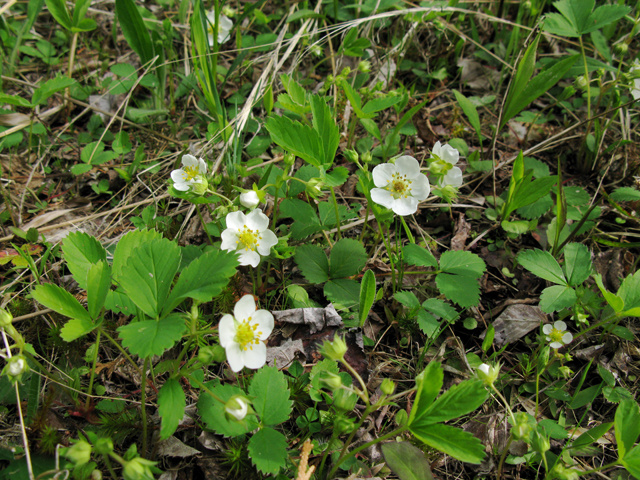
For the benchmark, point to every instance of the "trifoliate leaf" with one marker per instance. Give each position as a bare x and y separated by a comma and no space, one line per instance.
313,263
416,255
80,252
557,297
347,258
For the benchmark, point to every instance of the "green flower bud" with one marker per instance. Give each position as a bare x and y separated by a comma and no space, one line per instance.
316,50
488,374
236,408
524,424
139,469
561,472
16,367
79,453
334,350
5,318
210,354
364,66
200,188
228,11
565,372
289,158
539,442
387,387
581,82
351,155
314,187
366,157
330,380
95,475
103,446
344,400
343,425
621,49
527,6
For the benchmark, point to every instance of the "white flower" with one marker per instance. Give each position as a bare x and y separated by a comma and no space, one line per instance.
224,28
400,186
191,173
16,367
249,199
249,236
447,156
635,70
488,374
557,335
445,152
453,177
242,335
237,407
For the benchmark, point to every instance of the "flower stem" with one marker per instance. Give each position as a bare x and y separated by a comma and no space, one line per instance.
407,231
143,407
335,204
93,371
122,350
388,247
204,227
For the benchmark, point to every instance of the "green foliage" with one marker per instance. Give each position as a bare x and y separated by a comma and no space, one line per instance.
406,461
458,277
152,337
134,29
416,255
171,405
577,17
272,403
62,302
471,112
268,450
77,22
313,263
81,251
367,296
212,411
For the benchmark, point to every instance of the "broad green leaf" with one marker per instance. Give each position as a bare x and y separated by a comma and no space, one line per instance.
470,111
631,461
557,297
325,125
171,405
76,328
627,423
558,25
152,337
371,127
577,263
605,15
80,169
585,396
462,263
524,72
15,100
347,258
268,450
212,411
591,435
530,192
612,299
441,308
81,251
98,283
336,177
85,25
554,430
381,103
295,90
416,255
299,139
134,30
59,11
149,275
61,301
457,443
625,194
305,219
79,11
203,279
367,296
629,292
313,263
342,292
542,264
458,278
355,100
270,389
428,385
459,400
406,461
315,377
327,213
408,299
117,301
601,44
519,227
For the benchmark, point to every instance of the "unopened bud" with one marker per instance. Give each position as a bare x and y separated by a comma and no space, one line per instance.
314,187
488,374
621,49
334,350
249,199
539,442
210,354
237,407
289,158
330,380
344,400
5,318
387,387
351,155
581,82
103,446
200,187
79,453
366,157
364,66
523,426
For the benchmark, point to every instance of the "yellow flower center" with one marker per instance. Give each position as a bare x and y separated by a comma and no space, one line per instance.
248,239
246,335
556,335
398,186
189,172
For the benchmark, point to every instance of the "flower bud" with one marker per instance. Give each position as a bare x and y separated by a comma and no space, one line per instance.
210,354
621,49
249,199
289,158
103,446
527,6
316,50
330,380
16,366
523,426
138,469
364,66
539,442
95,475
228,11
343,425
581,82
366,157
200,187
5,318
488,374
314,187
344,400
79,453
351,155
334,350
387,387
237,407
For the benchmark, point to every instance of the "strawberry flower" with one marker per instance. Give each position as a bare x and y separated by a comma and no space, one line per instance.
190,175
249,236
557,335
400,186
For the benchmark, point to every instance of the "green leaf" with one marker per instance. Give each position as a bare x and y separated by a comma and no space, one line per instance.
58,10
591,435
556,298
441,308
367,296
428,385
380,103
270,389
458,278
268,450
152,337
203,279
542,264
406,461
371,127
327,213
416,255
627,423
524,72
462,263
134,29
470,111
76,328
457,443
79,11
80,169
85,25
50,87
98,283
15,100
305,219
343,293
629,292
149,274
325,125
558,25
313,263
408,299
459,400
577,263
631,461
212,411
625,194
315,376
299,139
347,258
81,251
171,405
336,177
612,299
60,301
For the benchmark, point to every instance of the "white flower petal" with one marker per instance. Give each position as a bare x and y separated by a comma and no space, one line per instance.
236,220
202,166
265,322
382,174
484,368
244,308
268,240
405,206
547,329
453,177
189,160
249,257
437,150
226,330
181,187
235,357
449,154
555,345
257,220
249,199
408,166
560,325
229,239
382,197
567,338
177,176
420,187
256,357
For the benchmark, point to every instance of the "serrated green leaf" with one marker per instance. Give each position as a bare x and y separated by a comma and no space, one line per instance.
203,279
557,297
212,411
152,337
380,103
305,219
612,299
58,10
268,450
91,151
81,251
371,127
347,258
315,384
270,389
408,299
406,461
327,213
416,255
629,292
313,263
558,25
342,292
627,423
459,400
326,128
51,87
171,405
457,443
134,29
537,208
460,289
80,169
367,296
299,139
441,308
625,194
542,264
577,263
605,15
61,301
336,177
117,301
149,275
631,461
98,283
76,328
428,385
16,100
461,262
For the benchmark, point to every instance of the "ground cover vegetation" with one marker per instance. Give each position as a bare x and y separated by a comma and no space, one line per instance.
318,240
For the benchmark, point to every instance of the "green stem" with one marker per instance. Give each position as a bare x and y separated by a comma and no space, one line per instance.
537,394
204,227
109,466
365,414
335,204
72,53
388,247
143,406
506,404
122,350
353,452
360,381
407,231
334,435
504,456
93,371
203,387
212,192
